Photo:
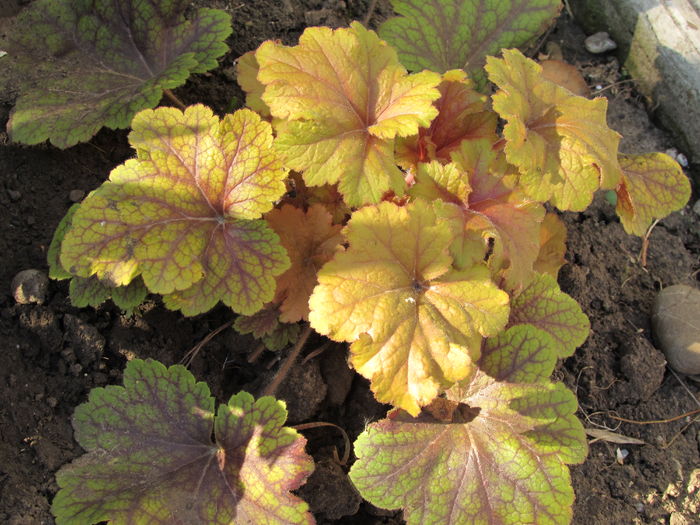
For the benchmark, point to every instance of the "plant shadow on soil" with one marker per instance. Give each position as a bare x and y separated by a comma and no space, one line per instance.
53,354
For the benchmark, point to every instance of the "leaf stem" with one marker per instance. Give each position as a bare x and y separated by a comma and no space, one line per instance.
255,354
346,455
287,365
370,12
192,353
179,103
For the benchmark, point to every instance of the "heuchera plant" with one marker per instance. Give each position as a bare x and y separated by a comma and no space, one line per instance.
410,228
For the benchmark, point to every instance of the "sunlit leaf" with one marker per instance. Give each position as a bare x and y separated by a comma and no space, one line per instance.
463,115
653,186
561,143
86,65
347,97
247,76
458,34
185,214
552,246
310,239
414,323
544,305
150,456
495,451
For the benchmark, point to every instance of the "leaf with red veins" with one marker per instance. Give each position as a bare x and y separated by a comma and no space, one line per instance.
347,98
462,115
311,240
186,213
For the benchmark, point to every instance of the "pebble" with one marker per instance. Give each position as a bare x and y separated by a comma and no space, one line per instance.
678,157
76,195
696,207
30,286
14,195
675,322
600,43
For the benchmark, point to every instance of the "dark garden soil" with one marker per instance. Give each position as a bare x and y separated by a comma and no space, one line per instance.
52,354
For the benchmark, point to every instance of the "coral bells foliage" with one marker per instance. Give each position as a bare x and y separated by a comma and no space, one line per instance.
387,209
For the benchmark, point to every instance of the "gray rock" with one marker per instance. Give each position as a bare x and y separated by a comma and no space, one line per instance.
675,322
303,390
599,43
76,195
30,286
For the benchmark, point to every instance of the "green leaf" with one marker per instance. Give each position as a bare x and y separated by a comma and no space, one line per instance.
56,270
150,456
561,143
185,214
415,324
91,291
544,305
458,34
347,97
266,326
108,61
493,451
653,186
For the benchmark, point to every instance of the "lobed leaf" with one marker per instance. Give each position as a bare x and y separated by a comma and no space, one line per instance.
185,214
653,186
458,34
561,143
311,240
495,453
266,326
108,61
552,246
543,305
414,323
150,456
462,115
347,97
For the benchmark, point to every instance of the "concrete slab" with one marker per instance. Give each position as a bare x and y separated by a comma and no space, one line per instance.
659,44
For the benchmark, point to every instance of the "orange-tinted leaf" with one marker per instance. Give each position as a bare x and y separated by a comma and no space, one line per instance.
247,76
463,115
552,246
310,239
565,75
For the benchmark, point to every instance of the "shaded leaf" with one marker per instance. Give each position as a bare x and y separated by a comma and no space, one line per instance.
462,115
458,34
544,305
56,270
498,454
414,323
266,326
150,456
561,143
653,186
565,75
185,214
552,246
310,239
108,60
91,291
347,97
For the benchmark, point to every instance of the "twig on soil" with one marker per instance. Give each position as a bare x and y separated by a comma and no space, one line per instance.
192,353
685,387
346,455
255,354
656,421
174,99
316,352
370,12
645,244
614,84
287,365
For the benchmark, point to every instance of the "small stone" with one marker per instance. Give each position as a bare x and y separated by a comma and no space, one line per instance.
14,195
303,390
52,402
600,43
76,195
696,207
30,287
675,322
87,341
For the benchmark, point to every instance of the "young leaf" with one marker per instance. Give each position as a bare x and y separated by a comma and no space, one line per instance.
150,456
498,454
93,292
653,185
543,305
310,239
247,76
266,326
552,246
348,97
462,115
561,143
459,34
414,323
185,214
112,58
